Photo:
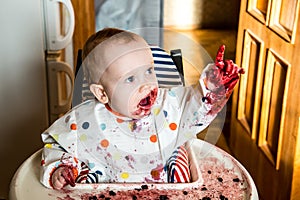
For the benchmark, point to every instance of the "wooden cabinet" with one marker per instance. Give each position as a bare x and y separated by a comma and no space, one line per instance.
84,23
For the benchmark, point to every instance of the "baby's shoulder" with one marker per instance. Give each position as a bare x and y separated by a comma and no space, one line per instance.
85,106
84,109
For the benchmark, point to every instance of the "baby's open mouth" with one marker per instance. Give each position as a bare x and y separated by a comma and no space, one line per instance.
146,103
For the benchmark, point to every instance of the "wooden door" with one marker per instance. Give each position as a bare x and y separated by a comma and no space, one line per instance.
265,117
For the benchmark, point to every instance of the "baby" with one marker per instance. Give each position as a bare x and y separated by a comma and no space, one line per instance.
130,130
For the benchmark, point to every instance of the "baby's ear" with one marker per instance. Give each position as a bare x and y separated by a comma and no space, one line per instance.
99,93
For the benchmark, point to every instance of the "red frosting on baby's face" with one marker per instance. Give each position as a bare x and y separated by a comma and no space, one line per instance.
145,104
130,83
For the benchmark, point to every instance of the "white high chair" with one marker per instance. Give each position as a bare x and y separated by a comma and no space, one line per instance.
26,185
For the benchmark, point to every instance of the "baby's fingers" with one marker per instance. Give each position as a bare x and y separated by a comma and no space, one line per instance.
58,182
69,177
231,69
219,61
230,85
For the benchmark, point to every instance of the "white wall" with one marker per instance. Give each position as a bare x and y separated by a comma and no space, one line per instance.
23,105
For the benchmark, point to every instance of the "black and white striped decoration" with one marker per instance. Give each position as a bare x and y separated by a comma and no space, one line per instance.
165,69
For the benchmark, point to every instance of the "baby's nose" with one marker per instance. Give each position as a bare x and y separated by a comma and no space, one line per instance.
144,87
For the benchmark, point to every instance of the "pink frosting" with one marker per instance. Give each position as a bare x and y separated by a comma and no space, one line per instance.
219,183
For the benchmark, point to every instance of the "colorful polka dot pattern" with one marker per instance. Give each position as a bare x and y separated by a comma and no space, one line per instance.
102,126
124,175
153,138
85,125
83,137
73,127
104,143
173,126
111,136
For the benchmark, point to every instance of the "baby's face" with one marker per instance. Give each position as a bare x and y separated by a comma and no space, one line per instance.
131,84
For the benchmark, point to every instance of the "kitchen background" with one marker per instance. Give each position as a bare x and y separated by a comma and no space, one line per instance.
37,56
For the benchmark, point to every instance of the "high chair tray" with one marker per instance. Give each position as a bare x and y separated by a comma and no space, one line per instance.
215,175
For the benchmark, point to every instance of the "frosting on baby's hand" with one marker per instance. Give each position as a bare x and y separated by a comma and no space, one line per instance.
63,176
221,77
224,74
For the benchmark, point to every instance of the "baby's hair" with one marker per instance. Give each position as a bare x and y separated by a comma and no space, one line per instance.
98,40
101,36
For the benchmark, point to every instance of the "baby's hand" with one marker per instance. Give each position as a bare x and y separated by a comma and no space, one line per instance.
222,77
62,176
229,71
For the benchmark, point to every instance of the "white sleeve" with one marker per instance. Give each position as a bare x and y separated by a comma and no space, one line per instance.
54,153
197,112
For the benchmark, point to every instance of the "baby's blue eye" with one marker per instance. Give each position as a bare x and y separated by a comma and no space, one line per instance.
149,71
130,79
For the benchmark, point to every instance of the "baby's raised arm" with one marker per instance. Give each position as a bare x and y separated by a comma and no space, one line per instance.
220,79
198,105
